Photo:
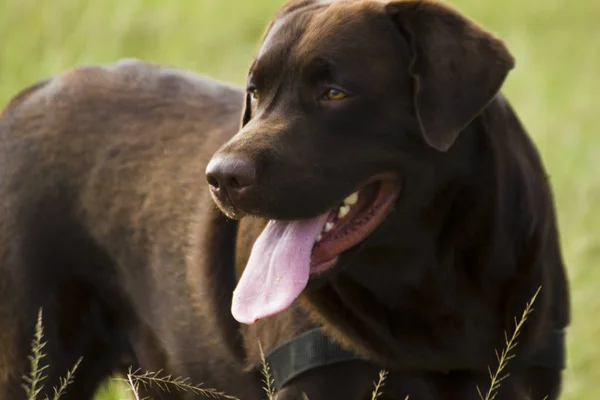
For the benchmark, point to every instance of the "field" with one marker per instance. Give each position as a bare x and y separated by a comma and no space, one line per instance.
554,88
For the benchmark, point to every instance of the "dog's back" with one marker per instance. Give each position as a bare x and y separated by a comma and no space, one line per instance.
102,168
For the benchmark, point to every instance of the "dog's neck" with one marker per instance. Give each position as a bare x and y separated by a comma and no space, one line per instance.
369,290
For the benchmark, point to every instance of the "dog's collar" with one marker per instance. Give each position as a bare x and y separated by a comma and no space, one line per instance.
313,349
305,352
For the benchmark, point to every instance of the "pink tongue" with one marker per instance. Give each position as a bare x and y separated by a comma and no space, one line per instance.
277,270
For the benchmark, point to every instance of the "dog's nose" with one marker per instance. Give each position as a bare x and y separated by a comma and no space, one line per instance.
230,175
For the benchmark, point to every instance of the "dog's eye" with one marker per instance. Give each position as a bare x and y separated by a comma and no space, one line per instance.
253,94
334,95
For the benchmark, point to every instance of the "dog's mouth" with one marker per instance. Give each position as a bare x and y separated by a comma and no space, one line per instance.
357,217
288,253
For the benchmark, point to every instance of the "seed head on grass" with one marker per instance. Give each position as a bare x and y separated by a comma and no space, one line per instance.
133,385
65,382
379,384
267,376
33,383
165,383
506,355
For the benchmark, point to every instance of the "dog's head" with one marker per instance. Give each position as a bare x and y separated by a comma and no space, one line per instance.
345,101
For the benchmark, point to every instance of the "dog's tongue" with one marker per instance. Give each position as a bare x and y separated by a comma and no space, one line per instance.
277,270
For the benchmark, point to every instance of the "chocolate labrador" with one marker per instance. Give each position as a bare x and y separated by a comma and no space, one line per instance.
381,207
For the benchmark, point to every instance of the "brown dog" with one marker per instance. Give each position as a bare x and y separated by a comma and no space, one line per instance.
409,216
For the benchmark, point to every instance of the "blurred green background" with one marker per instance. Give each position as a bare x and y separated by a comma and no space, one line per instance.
554,88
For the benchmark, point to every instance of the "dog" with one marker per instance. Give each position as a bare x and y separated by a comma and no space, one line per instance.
370,202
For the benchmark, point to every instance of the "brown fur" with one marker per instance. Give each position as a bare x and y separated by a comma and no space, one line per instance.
103,210
108,225
9,332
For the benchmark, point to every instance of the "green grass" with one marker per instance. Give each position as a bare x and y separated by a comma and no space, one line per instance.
554,88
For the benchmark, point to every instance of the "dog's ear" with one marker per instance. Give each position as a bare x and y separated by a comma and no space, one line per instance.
457,68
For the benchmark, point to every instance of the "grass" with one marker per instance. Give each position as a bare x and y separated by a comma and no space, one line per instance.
507,354
33,382
554,89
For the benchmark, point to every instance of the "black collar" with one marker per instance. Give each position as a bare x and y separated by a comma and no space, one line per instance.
309,350
313,349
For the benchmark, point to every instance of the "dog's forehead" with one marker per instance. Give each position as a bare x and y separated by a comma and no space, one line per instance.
327,28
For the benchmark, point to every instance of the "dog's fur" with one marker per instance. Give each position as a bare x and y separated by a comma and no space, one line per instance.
107,223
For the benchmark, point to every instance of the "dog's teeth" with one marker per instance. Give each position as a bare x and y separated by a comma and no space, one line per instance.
344,210
319,237
328,227
352,199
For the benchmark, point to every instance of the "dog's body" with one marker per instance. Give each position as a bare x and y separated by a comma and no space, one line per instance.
105,206
108,225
